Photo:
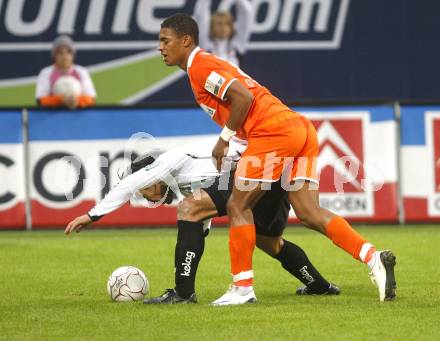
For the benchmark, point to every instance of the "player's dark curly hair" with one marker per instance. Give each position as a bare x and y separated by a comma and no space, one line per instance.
141,162
144,161
183,24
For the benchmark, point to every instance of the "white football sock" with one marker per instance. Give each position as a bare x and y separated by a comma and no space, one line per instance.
243,291
373,259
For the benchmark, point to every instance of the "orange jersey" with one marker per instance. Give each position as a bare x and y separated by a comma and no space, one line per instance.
210,78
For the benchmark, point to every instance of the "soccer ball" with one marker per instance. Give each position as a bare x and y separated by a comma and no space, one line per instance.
67,86
127,283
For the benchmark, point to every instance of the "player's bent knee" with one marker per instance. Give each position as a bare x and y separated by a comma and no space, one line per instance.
311,219
190,209
183,210
232,209
235,207
270,245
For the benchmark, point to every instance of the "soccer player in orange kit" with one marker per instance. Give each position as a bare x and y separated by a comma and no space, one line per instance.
282,144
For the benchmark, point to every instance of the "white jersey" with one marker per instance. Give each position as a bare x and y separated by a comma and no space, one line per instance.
49,75
225,48
183,170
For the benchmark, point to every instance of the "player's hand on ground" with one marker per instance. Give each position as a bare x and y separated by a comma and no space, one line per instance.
219,151
78,224
71,101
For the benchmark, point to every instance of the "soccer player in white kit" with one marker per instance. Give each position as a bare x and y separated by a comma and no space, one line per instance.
184,171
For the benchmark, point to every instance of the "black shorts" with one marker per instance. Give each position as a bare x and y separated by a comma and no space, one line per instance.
270,213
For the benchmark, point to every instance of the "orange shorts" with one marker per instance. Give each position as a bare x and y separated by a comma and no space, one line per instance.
285,146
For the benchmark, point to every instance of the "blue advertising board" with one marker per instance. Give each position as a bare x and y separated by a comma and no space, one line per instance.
12,175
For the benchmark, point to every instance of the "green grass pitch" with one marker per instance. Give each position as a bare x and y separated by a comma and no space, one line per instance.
54,287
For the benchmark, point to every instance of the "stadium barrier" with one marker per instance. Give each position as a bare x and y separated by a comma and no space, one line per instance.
96,139
420,162
56,165
357,161
12,171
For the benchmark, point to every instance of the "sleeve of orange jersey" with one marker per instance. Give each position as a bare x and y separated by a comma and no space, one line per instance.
211,78
50,101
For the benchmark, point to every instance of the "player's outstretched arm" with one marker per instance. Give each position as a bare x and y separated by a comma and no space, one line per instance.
78,224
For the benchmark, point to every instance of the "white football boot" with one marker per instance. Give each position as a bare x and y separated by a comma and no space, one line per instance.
382,274
236,295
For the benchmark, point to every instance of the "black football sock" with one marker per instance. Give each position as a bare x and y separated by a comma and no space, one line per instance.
189,250
295,261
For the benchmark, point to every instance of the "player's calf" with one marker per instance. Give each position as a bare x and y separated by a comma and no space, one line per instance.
295,261
189,250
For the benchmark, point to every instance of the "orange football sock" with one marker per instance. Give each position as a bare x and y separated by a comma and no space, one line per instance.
344,236
241,247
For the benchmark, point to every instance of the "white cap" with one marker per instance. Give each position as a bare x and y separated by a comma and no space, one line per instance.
62,41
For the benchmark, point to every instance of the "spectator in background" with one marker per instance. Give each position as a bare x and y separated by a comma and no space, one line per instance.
218,32
63,54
